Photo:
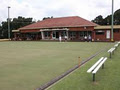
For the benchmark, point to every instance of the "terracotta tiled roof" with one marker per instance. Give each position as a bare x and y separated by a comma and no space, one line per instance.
73,21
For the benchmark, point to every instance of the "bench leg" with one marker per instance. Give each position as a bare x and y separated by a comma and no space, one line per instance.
103,66
113,52
110,54
93,77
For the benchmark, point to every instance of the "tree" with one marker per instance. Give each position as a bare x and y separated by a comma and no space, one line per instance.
99,20
107,20
20,22
0,31
15,23
47,17
117,17
5,29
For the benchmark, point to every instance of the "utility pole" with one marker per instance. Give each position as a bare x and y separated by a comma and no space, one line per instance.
112,22
8,23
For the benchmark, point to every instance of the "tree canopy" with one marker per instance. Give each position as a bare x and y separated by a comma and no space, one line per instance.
107,20
15,23
47,17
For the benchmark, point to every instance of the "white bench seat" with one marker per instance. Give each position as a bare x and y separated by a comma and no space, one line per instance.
97,66
116,45
94,66
111,51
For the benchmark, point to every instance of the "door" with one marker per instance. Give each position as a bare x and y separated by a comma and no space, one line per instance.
55,35
108,34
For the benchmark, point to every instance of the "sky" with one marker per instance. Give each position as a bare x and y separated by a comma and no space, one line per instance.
38,9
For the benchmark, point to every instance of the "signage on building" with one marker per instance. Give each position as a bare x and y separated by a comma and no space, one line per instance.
108,34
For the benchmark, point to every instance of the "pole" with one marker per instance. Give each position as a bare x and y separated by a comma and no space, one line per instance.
8,23
112,22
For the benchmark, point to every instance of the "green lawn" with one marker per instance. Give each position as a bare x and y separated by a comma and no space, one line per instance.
106,79
27,65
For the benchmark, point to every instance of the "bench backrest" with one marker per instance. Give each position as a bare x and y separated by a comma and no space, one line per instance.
97,68
95,65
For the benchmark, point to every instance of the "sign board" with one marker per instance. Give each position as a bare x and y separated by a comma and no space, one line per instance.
108,34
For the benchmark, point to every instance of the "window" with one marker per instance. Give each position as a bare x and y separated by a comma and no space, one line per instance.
81,34
47,34
63,33
72,34
100,32
54,34
116,31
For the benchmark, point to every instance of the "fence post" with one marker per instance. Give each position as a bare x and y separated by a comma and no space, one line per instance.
79,61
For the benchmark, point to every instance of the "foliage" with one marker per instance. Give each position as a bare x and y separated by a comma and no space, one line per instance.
0,31
47,17
99,20
107,20
117,17
15,23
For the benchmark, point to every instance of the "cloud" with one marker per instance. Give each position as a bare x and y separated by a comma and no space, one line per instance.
38,9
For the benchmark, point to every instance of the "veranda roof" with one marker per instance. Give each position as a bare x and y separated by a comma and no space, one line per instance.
106,27
15,30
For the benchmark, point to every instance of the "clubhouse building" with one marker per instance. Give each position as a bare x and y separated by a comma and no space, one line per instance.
74,28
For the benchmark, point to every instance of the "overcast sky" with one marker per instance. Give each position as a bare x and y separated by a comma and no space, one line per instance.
37,9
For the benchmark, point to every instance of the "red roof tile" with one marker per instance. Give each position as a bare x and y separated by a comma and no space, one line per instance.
73,21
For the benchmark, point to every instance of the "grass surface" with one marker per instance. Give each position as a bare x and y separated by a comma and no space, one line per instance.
27,65
106,79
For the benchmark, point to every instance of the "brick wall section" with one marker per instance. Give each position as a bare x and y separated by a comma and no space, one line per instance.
117,36
88,28
29,30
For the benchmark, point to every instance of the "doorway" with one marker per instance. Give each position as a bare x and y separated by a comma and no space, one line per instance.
55,35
